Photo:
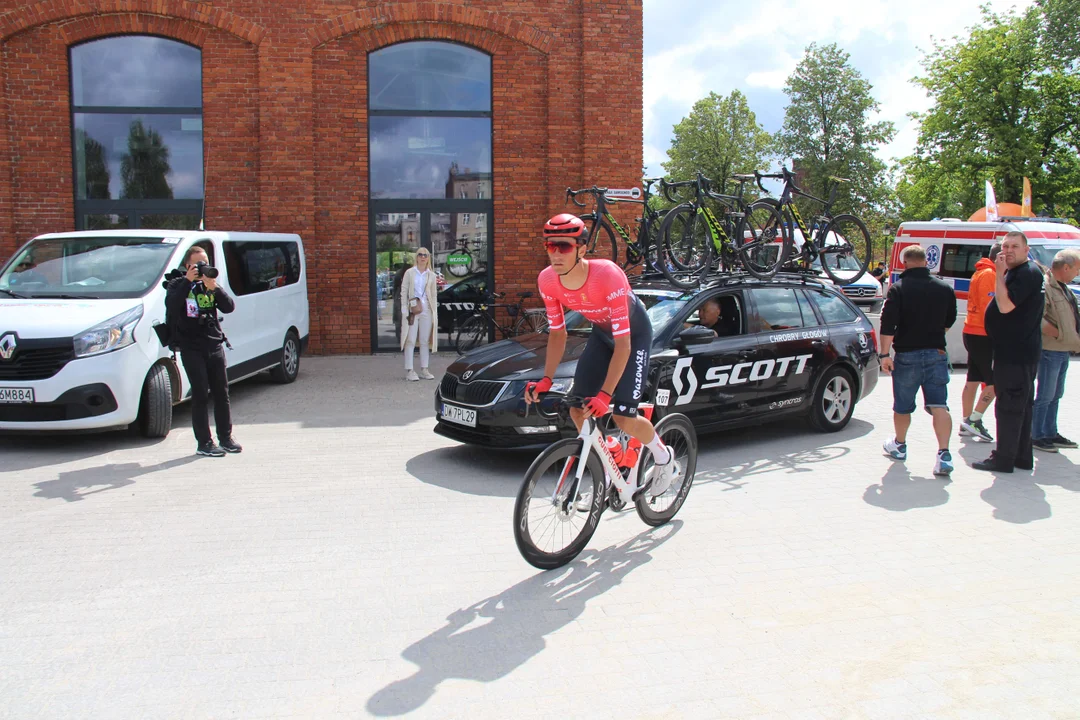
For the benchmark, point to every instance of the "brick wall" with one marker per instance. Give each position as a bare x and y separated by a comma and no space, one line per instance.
285,119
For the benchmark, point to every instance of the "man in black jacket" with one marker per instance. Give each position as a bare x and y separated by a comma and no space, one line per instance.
191,305
917,312
1014,323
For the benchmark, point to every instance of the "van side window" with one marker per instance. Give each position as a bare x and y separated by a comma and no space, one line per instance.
255,267
958,261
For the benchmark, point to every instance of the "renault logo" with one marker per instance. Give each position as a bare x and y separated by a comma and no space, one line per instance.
7,346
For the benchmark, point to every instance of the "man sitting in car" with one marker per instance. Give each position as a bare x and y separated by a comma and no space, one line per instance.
721,315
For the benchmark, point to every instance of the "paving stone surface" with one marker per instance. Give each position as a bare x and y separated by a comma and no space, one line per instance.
350,563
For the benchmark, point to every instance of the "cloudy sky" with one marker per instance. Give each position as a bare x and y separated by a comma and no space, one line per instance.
693,47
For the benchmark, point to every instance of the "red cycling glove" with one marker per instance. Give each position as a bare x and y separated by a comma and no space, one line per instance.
542,386
598,404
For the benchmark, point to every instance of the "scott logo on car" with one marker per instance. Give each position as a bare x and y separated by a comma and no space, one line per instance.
686,380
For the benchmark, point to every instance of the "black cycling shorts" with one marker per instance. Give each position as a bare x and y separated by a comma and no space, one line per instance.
592,366
980,362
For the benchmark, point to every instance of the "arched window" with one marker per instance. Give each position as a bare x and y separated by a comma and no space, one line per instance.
430,124
136,114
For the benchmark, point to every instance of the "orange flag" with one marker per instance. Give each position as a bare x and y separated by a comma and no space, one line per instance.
1025,209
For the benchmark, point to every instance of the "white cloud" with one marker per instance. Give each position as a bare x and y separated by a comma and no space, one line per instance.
760,45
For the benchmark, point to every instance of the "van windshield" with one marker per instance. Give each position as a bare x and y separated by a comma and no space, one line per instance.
87,267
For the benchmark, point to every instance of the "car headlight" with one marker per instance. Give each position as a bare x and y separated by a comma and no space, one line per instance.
115,333
559,385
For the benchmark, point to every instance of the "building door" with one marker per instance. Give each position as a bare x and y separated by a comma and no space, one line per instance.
461,259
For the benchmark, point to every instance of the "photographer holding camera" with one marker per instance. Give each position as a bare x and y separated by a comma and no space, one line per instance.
191,306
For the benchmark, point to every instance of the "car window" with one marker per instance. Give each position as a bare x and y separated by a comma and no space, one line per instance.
777,309
834,309
809,318
723,314
256,267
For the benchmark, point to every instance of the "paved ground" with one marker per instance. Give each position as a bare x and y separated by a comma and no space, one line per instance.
351,563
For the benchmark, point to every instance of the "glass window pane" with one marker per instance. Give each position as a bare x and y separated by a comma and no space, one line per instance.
429,76
428,157
255,267
138,157
105,222
136,71
169,222
397,236
834,309
777,309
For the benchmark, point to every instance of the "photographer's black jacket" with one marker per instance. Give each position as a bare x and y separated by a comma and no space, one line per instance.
198,333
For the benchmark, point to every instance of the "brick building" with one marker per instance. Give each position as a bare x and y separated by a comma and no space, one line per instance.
369,128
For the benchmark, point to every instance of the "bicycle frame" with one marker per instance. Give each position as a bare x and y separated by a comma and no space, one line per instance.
810,240
593,441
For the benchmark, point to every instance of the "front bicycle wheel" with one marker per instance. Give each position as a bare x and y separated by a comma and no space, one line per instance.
845,253
555,516
761,241
681,258
677,432
473,332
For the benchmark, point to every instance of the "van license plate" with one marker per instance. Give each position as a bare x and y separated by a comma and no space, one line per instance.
459,415
16,395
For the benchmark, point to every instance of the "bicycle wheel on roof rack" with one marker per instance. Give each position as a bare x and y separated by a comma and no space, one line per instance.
845,253
761,241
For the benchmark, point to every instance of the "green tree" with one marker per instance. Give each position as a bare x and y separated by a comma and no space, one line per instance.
1006,106
145,166
827,132
720,137
94,170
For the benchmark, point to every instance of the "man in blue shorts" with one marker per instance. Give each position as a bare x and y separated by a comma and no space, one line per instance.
917,312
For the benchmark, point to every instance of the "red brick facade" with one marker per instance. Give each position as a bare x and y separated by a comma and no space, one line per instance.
285,119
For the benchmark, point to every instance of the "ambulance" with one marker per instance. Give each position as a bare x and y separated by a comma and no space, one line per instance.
954,246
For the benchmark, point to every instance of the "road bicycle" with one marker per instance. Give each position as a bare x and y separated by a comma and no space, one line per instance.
601,242
569,485
693,239
841,242
476,328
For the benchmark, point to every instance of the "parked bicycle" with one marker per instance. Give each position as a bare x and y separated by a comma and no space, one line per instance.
569,485
693,239
840,241
476,328
604,226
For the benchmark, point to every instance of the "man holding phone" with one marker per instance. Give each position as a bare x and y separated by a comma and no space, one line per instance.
191,305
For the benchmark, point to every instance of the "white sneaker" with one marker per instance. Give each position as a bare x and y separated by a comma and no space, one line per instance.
664,475
426,374
411,376
895,450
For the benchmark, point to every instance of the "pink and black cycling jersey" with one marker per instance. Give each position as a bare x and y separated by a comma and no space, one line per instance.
604,300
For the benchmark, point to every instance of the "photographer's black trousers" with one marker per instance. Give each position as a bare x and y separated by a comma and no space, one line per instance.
206,371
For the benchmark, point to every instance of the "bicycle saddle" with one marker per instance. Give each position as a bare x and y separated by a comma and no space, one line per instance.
742,177
524,295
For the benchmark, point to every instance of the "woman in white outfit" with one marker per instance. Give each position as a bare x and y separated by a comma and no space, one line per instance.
418,289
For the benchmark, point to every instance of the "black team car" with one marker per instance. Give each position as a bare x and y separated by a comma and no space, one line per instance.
788,346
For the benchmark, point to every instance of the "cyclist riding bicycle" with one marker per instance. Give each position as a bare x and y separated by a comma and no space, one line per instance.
615,361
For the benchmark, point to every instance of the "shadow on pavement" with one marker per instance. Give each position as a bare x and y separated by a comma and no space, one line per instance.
490,639
899,491
76,485
472,470
756,450
1016,498
24,451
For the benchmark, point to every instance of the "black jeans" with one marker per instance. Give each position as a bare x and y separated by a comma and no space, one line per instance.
1014,384
206,371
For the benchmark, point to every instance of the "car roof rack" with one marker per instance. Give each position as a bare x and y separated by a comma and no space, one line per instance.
718,279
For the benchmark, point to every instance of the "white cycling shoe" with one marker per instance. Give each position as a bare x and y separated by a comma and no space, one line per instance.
664,475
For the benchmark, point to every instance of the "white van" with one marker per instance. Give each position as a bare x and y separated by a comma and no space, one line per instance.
953,247
77,310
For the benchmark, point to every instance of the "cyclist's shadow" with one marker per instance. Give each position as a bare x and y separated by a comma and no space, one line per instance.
514,623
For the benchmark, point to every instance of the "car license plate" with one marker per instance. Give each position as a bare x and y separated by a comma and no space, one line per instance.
459,415
16,395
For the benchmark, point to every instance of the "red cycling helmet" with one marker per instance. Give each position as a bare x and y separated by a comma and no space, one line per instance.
565,225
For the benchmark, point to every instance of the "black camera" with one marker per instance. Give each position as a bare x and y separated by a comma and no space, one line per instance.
206,270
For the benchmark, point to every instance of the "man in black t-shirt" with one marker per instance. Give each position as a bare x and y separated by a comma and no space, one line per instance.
1014,324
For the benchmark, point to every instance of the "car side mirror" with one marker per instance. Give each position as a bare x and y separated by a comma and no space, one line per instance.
694,335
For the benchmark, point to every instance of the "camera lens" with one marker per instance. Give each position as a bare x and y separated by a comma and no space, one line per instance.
210,272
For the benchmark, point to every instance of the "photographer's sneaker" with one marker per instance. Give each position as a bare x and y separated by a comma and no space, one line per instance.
231,446
895,450
1062,442
943,467
411,376
975,429
426,374
210,450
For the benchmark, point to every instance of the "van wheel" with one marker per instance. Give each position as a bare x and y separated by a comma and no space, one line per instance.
289,367
834,401
155,406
